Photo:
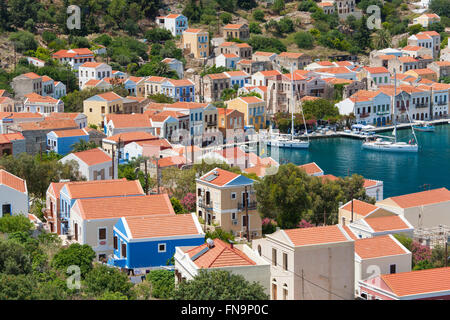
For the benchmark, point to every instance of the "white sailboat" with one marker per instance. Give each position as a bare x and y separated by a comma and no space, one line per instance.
393,146
283,141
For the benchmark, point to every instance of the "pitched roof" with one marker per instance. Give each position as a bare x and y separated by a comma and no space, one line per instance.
126,137
171,161
251,99
407,59
129,120
31,75
49,124
270,73
191,30
359,207
377,69
263,53
219,256
117,207
233,26
108,96
311,168
316,235
238,73
422,198
36,98
9,137
380,246
152,226
334,70
412,48
103,188
217,76
93,156
418,282
12,181
293,55
387,223
230,55
92,64
70,133
222,177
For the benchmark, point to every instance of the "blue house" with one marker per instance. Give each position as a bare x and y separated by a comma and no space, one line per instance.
179,90
62,141
72,191
149,241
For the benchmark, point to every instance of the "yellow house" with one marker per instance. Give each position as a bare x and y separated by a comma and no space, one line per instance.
423,74
96,107
197,42
253,108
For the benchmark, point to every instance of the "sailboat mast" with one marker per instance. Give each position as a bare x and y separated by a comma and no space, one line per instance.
394,106
292,102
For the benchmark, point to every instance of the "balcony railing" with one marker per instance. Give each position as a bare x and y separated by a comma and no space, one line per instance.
205,206
364,115
421,105
251,205
211,123
441,103
380,113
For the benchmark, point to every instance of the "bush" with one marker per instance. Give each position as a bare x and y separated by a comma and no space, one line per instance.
258,15
18,223
226,17
76,254
102,279
162,283
24,41
263,43
157,35
304,40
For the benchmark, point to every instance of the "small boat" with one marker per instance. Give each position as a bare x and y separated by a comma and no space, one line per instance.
425,127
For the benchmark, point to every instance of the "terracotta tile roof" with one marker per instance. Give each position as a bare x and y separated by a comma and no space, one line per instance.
72,53
407,59
222,177
92,82
109,96
359,207
315,235
251,99
187,105
335,70
167,60
171,161
155,226
387,56
412,48
135,79
93,156
173,16
155,79
129,120
233,26
31,75
238,73
161,116
324,63
376,247
46,79
70,133
422,198
193,30
259,170
270,73
245,61
64,115
181,82
12,181
421,36
387,223
162,143
117,207
215,76
102,188
369,183
442,63
328,177
49,124
422,71
349,232
92,64
188,149
9,137
325,4
418,282
431,15
54,188
364,95
127,137
430,33
311,168
377,69
262,53
230,55
343,63
219,256
294,76
36,98
227,44
243,45
292,55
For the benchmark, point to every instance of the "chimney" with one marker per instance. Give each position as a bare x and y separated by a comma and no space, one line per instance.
231,244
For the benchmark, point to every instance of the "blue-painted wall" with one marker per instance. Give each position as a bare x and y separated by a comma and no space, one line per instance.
144,254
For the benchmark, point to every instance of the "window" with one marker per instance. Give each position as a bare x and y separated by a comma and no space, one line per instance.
161,247
102,234
233,216
115,243
233,195
285,292
259,250
124,250
6,210
274,256
393,268
285,261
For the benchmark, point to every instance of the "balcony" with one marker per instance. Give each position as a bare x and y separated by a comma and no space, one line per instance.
211,123
421,105
251,205
441,103
364,115
381,113
205,206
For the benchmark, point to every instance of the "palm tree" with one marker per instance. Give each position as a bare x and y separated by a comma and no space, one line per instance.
83,145
382,39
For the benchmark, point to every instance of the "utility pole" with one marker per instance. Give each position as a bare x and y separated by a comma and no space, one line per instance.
113,156
446,251
246,213
146,176
324,217
303,286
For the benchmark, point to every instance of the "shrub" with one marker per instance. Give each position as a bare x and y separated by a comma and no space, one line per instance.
304,40
162,282
258,15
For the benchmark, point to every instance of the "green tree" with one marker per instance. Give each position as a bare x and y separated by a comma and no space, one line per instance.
157,35
219,285
23,41
304,40
14,258
278,6
112,296
219,234
440,7
103,279
162,283
160,98
16,223
17,287
267,44
254,27
75,254
320,108
177,207
258,15
83,145
226,17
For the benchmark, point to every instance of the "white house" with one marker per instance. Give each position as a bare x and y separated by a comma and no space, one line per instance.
241,78
175,23
60,90
218,255
377,76
227,60
36,62
93,70
373,226
44,105
93,164
261,78
336,72
74,57
120,123
13,195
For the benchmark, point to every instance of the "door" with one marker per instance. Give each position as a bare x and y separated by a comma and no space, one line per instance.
274,291
76,231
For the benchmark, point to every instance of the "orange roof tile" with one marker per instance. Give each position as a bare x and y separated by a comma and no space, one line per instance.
230,55
152,226
48,124
117,207
407,59
292,55
349,232
91,64
270,73
251,99
9,137
263,53
12,181
215,76
412,48
233,26
222,177
335,70
376,247
171,161
70,133
36,98
328,177
129,120
219,256
360,207
422,198
127,137
311,168
102,188
31,75
193,30
387,223
315,235
93,156
377,69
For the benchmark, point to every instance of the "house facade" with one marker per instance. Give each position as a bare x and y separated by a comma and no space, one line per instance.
61,142
175,23
196,42
13,195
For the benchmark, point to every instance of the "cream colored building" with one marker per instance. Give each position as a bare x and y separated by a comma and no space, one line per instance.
424,209
196,41
98,106
361,210
253,108
309,263
220,200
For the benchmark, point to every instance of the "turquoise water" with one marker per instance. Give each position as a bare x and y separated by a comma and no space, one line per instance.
401,172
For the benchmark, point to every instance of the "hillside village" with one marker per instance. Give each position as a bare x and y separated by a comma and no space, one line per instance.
141,144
